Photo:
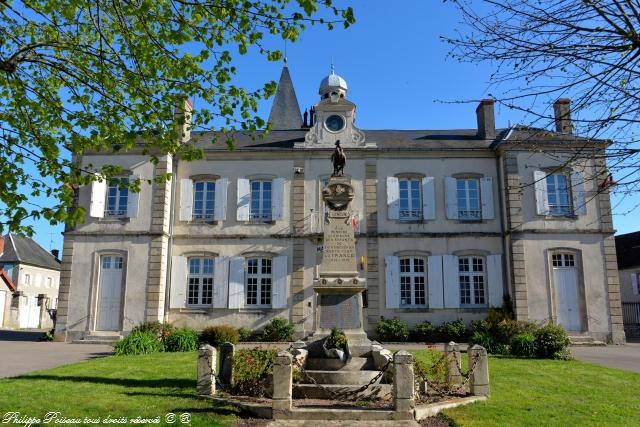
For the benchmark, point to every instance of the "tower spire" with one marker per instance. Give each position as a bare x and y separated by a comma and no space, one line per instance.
285,111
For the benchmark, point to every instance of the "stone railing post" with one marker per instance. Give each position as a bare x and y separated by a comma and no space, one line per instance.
452,350
226,363
282,383
403,381
479,382
206,383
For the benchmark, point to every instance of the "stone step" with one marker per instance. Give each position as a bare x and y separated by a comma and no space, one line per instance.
312,391
326,364
342,377
98,339
585,341
371,416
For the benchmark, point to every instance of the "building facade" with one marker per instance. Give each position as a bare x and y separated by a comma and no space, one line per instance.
447,223
628,250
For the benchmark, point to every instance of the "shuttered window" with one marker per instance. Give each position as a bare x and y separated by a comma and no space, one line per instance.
260,208
558,195
200,281
468,198
259,281
410,199
204,194
471,276
413,277
117,197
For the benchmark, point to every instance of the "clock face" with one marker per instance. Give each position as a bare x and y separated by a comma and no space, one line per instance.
334,123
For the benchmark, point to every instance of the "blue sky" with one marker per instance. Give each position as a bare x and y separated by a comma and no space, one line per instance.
398,74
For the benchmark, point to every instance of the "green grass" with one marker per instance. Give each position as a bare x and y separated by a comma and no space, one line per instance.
552,393
125,386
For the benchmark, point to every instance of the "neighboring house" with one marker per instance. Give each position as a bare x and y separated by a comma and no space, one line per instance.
447,223
628,250
29,283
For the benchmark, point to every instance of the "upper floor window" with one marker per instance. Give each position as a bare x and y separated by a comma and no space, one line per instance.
260,207
112,262
117,197
468,197
49,282
27,279
413,277
471,276
410,198
563,260
558,194
258,281
200,281
204,194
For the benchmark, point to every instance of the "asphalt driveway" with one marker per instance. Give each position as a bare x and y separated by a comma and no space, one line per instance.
21,352
626,357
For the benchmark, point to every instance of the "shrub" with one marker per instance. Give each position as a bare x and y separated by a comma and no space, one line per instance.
479,326
523,345
452,331
47,336
159,329
245,334
423,332
216,335
392,330
337,339
182,340
552,342
138,343
251,371
487,340
278,329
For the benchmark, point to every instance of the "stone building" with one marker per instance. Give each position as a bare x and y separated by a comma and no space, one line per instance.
447,223
628,250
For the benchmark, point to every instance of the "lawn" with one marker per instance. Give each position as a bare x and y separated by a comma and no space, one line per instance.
523,393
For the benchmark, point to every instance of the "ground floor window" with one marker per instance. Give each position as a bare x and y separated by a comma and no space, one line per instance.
471,276
413,275
200,281
259,281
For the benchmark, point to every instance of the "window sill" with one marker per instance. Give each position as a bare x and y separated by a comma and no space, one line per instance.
255,309
199,310
413,310
559,217
114,219
411,221
202,222
260,222
474,308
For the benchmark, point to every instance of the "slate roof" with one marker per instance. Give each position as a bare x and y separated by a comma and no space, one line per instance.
18,249
628,250
285,110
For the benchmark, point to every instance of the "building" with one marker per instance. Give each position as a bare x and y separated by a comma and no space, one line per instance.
628,250
448,222
29,282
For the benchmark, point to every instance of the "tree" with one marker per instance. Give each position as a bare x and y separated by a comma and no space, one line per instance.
100,75
586,50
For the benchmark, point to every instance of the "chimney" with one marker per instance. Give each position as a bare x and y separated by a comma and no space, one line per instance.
562,113
486,119
55,253
182,115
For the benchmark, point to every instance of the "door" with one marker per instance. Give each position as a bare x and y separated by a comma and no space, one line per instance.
28,312
3,299
565,276
109,293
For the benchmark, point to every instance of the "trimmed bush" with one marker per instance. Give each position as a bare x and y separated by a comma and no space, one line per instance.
505,330
423,332
392,330
488,341
216,335
138,343
279,329
552,342
251,371
245,334
523,345
182,340
452,331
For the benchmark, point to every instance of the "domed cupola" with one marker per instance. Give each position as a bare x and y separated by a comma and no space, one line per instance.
333,84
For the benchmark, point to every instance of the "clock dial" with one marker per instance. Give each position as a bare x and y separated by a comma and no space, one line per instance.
334,123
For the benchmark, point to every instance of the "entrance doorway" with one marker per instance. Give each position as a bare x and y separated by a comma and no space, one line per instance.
109,293
565,279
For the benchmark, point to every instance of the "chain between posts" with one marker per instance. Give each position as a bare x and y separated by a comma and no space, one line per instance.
448,391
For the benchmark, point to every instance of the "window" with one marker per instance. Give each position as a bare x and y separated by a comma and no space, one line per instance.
472,283
563,260
410,198
260,209
49,282
200,281
117,197
412,282
110,261
558,195
27,279
468,195
258,282
203,200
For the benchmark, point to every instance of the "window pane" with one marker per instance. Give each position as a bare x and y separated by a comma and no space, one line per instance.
106,262
207,266
194,265
192,293
465,290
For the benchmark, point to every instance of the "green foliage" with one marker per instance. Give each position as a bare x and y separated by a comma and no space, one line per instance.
47,336
159,329
391,330
185,339
337,339
216,335
138,343
423,332
552,342
452,331
505,330
432,366
252,369
279,329
523,345
488,341
245,334
99,76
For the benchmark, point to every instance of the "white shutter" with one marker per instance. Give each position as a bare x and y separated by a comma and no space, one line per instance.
178,282
244,199
486,197
220,202
98,197
435,283
393,197
451,197
542,202
428,198
221,282
236,282
280,297
577,190
494,277
634,283
451,281
392,284
133,199
186,199
277,198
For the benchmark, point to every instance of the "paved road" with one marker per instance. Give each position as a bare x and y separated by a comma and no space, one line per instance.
625,357
21,353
